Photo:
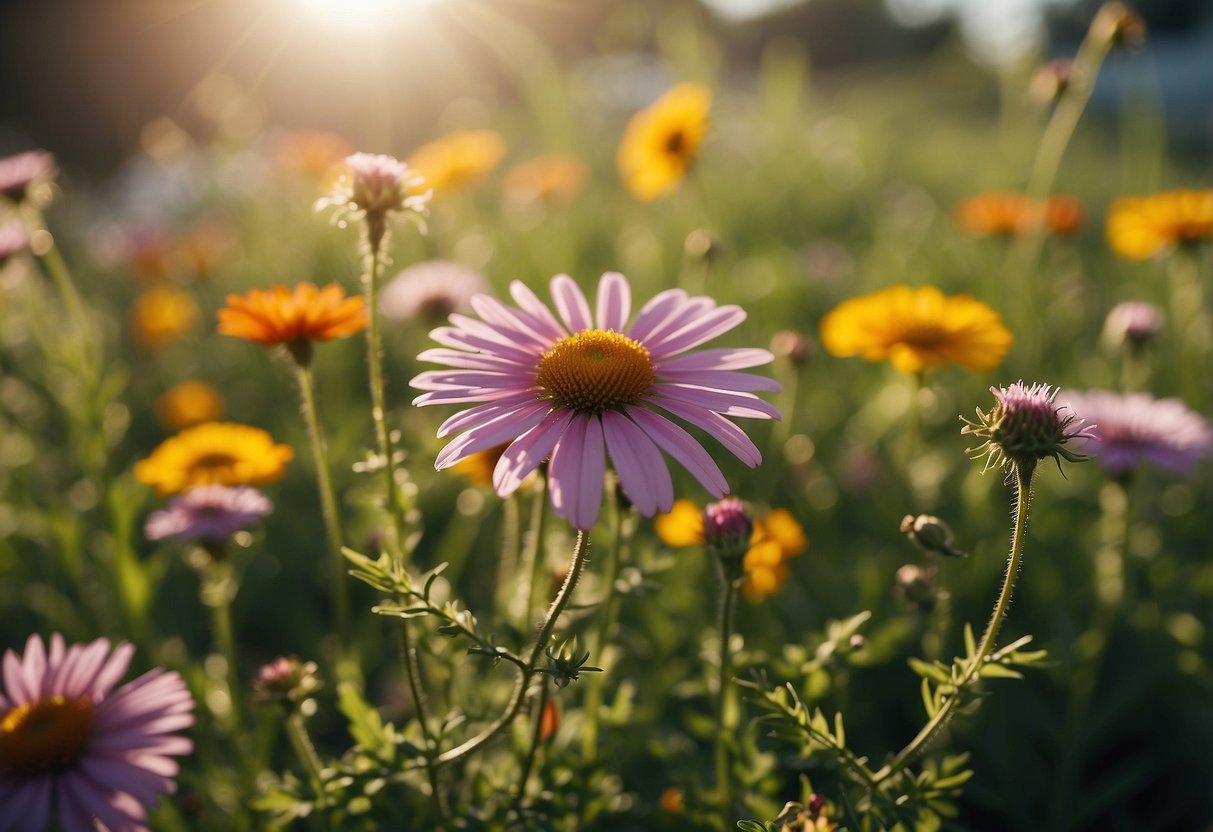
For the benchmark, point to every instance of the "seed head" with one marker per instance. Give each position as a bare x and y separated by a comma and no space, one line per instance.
1023,427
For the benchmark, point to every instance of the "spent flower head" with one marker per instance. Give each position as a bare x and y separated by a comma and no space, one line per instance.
374,186
931,534
1023,427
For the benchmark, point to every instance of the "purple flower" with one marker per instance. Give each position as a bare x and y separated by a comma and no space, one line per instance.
13,240
1134,323
73,747
581,387
1131,428
727,528
430,290
1023,427
374,186
18,173
209,513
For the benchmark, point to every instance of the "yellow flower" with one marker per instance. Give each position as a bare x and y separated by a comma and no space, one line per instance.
777,538
457,159
660,142
479,466
553,178
215,453
917,328
188,403
162,315
1140,227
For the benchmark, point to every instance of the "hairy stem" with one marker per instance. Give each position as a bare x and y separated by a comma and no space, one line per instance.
606,620
724,716
1022,476
580,556
528,762
301,743
328,503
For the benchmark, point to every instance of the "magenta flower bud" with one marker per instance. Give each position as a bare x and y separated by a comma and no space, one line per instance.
1023,427
286,679
727,528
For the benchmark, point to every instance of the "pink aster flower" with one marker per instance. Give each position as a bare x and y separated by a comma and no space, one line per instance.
19,173
373,186
209,513
582,387
430,290
74,748
1131,428
1025,426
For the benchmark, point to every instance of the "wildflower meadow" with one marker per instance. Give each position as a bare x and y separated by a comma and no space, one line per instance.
662,436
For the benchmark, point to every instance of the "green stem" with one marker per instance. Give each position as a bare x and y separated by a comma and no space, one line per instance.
580,556
296,731
375,241
606,620
528,762
1022,477
1109,582
412,673
533,556
911,439
511,549
218,589
328,503
55,266
724,715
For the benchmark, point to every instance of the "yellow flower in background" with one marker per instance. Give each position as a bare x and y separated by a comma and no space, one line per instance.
776,539
917,328
214,453
552,178
457,159
1139,227
660,142
479,466
162,315
188,403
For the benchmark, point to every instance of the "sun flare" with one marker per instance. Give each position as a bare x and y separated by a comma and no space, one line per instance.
360,13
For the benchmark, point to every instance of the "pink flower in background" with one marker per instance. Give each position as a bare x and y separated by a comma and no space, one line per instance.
582,387
210,513
74,749
1132,428
19,173
430,290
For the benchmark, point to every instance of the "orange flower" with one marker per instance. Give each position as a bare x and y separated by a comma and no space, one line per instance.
1007,214
672,801
312,153
553,178
162,315
292,317
1140,227
188,403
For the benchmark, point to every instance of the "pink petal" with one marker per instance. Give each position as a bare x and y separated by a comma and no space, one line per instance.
574,309
720,428
78,677
483,413
643,474
506,427
26,804
473,360
689,312
529,301
682,446
474,394
119,775
576,471
528,451
653,313
723,380
464,379
496,313
740,405
718,358
114,669
705,328
462,339
614,302
20,688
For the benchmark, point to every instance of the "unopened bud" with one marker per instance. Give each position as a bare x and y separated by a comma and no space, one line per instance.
287,680
916,586
793,346
727,528
1119,26
1050,82
702,246
930,533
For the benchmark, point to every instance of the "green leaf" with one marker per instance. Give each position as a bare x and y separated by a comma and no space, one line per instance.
365,724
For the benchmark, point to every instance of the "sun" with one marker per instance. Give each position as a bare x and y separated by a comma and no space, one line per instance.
360,13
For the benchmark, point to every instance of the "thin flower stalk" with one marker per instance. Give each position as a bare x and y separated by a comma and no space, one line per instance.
1021,477
219,587
725,708
511,550
412,674
532,557
622,527
301,744
328,501
528,762
581,551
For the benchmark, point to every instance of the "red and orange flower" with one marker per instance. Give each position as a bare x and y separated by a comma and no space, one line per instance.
293,317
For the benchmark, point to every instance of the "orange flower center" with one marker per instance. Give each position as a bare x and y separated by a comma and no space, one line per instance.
923,336
595,370
212,462
44,736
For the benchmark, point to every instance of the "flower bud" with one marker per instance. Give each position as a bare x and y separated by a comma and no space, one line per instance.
916,586
1118,26
701,247
930,533
1050,81
1133,324
727,528
1023,427
789,344
286,680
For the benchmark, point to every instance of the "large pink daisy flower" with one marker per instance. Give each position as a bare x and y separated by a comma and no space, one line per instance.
581,387
70,743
